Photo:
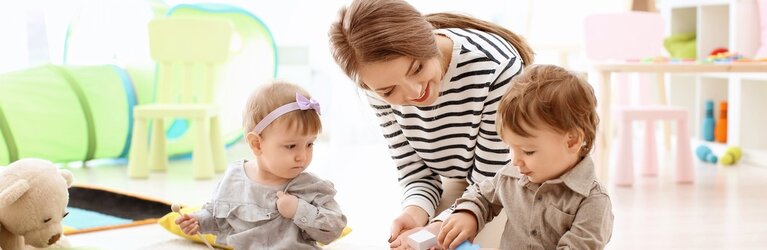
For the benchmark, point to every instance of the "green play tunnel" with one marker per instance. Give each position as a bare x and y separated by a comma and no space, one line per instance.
67,113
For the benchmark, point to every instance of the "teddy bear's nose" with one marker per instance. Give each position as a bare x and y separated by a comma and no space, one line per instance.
54,239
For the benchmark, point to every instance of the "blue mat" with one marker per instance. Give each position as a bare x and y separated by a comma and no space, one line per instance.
81,218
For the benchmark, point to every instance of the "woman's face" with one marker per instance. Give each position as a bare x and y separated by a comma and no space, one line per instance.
404,80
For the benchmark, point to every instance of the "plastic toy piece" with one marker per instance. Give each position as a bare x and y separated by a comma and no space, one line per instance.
422,240
466,245
731,156
704,154
708,122
720,132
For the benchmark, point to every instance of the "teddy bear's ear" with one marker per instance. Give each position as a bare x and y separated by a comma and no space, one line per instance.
67,176
9,193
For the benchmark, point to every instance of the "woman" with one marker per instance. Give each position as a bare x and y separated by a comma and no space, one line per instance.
435,82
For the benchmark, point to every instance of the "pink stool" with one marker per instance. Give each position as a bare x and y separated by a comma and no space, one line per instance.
624,174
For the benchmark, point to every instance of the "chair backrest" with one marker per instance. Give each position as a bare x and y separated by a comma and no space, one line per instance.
623,36
188,53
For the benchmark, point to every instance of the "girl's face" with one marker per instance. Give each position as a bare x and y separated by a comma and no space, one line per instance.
545,155
282,152
404,80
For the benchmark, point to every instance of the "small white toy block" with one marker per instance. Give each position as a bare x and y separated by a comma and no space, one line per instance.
422,240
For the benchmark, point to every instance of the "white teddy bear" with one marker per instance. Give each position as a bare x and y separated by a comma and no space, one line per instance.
33,201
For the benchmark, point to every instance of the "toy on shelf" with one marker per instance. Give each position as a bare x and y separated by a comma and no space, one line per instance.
722,55
705,154
731,156
720,134
708,122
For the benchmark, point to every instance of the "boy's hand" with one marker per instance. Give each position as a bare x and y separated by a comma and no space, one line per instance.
459,227
287,204
188,224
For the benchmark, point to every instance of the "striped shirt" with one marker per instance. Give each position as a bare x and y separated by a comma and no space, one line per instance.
456,136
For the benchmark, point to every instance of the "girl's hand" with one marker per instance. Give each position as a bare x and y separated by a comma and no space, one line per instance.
459,227
287,204
188,224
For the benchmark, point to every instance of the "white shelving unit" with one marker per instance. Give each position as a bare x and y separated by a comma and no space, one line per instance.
732,24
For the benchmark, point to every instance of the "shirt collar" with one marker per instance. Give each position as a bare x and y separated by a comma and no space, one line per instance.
579,179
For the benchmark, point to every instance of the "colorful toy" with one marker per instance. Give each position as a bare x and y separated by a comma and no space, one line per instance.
708,122
721,126
705,154
731,156
722,55
718,51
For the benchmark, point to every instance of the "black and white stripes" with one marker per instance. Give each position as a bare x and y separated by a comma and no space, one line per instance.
456,136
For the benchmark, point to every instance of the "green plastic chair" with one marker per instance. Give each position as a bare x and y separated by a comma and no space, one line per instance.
189,53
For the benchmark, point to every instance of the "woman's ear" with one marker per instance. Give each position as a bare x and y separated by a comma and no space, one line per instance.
255,142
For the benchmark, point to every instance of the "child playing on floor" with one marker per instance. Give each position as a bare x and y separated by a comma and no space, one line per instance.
550,192
271,203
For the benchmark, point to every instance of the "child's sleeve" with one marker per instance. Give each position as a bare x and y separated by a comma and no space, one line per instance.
592,226
480,199
321,219
206,220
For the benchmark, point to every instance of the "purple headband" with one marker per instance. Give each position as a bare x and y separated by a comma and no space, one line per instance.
301,103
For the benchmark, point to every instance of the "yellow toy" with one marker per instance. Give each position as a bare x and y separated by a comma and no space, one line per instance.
731,156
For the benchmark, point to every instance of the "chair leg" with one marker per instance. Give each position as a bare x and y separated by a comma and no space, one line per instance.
218,146
158,158
201,156
625,162
650,150
137,159
684,169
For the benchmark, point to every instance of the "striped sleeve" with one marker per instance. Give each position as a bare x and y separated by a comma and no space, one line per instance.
422,187
491,153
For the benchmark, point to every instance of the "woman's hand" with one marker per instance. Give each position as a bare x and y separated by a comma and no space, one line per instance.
287,204
401,242
412,217
188,224
459,227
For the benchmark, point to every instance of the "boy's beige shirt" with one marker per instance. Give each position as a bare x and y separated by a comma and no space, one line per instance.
570,212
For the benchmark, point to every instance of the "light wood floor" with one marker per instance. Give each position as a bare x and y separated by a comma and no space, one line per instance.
726,208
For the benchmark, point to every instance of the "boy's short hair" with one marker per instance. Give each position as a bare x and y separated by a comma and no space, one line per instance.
551,96
270,97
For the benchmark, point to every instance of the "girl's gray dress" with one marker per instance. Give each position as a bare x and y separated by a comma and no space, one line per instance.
243,214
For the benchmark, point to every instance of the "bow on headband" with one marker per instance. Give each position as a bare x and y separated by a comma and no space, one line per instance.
301,103
305,104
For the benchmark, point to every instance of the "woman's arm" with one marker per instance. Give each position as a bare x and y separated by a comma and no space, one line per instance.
422,187
491,153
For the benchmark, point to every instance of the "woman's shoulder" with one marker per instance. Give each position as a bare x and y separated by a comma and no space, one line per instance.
471,42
